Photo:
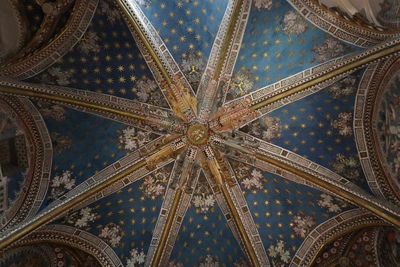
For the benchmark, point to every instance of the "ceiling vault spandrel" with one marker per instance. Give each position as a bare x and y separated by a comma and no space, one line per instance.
215,80
166,71
314,174
156,154
200,132
142,115
261,102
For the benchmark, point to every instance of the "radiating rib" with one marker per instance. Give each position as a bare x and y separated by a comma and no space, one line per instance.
96,183
134,156
254,105
311,172
166,71
216,78
182,184
130,112
230,198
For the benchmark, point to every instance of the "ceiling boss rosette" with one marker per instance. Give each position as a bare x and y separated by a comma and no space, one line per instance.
202,130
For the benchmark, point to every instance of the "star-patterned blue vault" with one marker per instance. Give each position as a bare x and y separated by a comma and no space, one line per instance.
179,137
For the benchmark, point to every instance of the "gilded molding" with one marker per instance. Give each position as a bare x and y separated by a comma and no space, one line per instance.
230,199
96,184
215,80
130,112
166,71
179,192
314,174
286,91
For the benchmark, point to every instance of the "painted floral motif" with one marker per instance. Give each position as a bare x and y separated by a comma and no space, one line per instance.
272,127
203,202
57,76
193,65
255,181
294,23
209,261
60,142
89,43
108,8
137,258
345,87
154,184
249,178
389,126
151,188
81,218
344,123
329,49
132,138
147,91
349,167
302,225
203,198
265,4
61,184
280,256
333,204
112,234
266,127
145,88
49,110
242,83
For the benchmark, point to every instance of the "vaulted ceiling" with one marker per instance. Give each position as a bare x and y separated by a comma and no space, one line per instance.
200,133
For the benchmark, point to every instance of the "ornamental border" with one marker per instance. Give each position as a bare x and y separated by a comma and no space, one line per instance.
330,230
73,237
76,26
372,161
35,185
350,32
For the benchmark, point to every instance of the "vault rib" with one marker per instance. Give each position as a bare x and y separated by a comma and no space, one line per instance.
166,71
216,78
313,174
143,160
179,192
232,203
130,112
252,106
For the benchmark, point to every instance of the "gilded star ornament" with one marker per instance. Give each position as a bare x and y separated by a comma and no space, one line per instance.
201,130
